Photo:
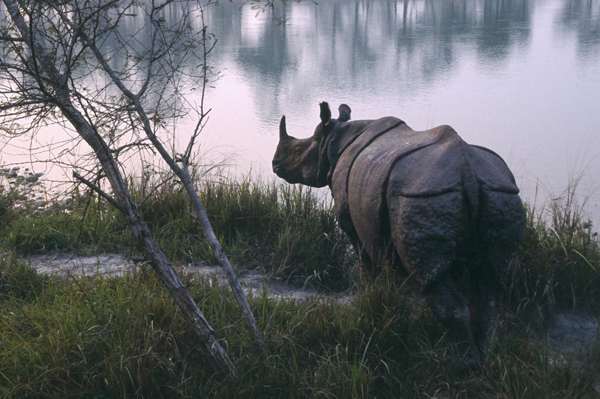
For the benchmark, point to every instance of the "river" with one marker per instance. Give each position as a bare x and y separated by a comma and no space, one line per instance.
520,77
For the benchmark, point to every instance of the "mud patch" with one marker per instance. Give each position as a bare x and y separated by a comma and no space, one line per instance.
571,338
572,333
67,265
115,265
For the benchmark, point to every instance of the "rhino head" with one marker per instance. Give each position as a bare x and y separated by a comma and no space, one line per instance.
304,160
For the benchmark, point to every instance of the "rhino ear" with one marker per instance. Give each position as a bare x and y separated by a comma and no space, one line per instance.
344,113
325,113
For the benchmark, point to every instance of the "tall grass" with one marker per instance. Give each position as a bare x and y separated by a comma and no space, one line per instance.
291,233
558,263
287,231
122,337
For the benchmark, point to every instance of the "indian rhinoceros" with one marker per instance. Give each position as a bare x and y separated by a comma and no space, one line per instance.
446,211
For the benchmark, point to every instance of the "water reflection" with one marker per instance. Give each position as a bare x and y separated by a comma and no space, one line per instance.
503,23
374,43
491,68
383,45
519,76
583,18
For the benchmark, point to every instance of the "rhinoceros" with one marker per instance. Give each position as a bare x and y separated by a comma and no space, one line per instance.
447,212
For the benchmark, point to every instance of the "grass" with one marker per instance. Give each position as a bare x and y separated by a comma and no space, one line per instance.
285,230
105,338
291,234
558,263
123,337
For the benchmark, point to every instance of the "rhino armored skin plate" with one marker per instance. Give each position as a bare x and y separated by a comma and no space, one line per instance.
425,201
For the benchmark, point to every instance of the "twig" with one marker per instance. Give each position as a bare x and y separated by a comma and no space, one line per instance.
101,192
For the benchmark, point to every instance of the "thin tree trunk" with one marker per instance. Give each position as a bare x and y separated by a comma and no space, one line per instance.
160,263
183,174
211,237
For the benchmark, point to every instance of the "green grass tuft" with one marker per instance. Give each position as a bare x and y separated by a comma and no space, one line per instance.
286,231
558,263
123,337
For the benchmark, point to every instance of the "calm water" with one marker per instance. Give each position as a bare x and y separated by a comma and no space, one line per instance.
520,77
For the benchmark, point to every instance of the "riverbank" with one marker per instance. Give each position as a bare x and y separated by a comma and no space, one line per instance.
287,232
253,282
123,337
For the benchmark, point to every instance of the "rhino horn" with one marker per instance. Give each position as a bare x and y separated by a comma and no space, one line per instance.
282,129
325,113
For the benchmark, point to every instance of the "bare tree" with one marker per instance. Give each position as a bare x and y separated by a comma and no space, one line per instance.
118,72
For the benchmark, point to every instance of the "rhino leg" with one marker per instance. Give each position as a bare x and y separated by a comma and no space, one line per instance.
365,262
501,224
451,308
484,311
427,233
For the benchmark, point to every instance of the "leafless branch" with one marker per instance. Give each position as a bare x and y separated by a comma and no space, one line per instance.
61,48
99,191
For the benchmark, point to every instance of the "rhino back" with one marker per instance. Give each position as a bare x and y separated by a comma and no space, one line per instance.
368,176
491,170
348,152
445,166
431,170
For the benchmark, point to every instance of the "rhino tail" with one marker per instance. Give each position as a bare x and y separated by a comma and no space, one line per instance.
470,187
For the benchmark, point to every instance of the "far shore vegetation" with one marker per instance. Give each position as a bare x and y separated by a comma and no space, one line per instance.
123,337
